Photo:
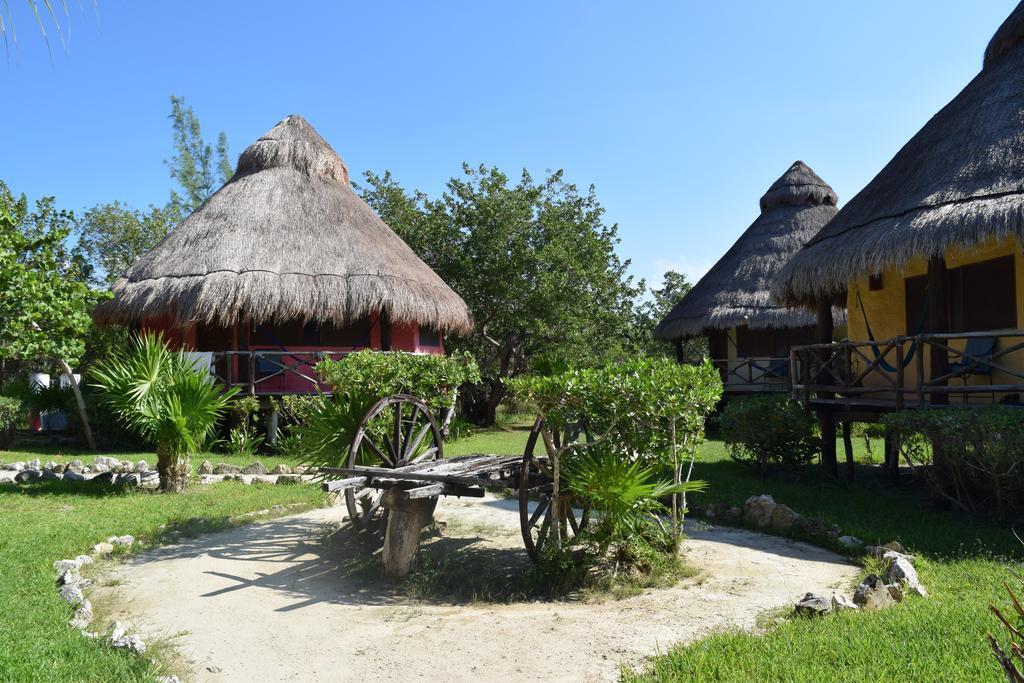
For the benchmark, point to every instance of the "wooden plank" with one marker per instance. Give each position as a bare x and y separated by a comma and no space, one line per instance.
342,484
428,491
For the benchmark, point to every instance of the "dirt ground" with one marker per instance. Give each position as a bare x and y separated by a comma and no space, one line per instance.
272,602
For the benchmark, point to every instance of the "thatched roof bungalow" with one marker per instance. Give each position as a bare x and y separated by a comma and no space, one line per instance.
285,257
933,242
731,305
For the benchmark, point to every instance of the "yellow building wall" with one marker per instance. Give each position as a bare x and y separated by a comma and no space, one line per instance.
886,310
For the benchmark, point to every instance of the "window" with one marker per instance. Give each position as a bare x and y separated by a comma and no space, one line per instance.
754,343
982,296
875,283
356,334
291,333
429,337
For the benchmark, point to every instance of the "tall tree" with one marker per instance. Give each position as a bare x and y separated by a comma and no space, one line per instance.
111,237
44,299
193,164
535,262
649,313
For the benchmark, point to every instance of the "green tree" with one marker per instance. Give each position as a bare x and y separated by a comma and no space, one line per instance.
44,298
111,237
649,313
535,262
193,165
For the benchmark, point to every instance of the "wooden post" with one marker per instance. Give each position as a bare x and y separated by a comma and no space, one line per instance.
848,447
385,331
680,358
272,422
938,321
406,519
892,456
825,415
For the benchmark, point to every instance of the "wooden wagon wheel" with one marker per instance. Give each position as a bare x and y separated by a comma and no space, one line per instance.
536,524
396,431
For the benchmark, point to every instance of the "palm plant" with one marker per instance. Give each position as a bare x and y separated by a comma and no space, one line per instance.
166,400
627,495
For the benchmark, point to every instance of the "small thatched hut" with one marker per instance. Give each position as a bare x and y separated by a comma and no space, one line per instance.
286,258
750,336
933,243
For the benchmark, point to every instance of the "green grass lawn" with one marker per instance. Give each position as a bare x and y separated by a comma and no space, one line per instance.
941,638
961,561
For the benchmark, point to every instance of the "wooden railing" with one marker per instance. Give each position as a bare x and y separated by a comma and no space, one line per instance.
897,371
255,371
754,374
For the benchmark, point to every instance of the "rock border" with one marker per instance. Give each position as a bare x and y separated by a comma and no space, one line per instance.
874,592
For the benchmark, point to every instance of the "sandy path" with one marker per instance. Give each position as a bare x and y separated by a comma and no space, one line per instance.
266,603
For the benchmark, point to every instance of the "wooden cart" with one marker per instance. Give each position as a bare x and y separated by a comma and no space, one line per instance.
390,500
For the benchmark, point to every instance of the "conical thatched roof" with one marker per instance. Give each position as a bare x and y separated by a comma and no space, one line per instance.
735,291
958,182
286,238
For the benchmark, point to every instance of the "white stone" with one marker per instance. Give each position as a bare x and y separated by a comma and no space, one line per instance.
850,542
61,566
34,465
899,570
121,640
72,593
127,539
83,616
102,549
840,602
141,466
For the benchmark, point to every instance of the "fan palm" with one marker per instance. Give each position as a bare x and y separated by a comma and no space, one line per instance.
162,397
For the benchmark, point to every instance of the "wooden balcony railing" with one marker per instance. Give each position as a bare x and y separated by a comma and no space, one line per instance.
754,374
270,372
896,371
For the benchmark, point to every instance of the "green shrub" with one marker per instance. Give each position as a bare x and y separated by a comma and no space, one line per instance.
768,431
326,425
971,457
160,395
640,420
376,374
243,438
10,411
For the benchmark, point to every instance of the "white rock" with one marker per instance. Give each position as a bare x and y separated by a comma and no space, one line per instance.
73,475
61,566
72,593
127,539
851,542
168,679
7,476
141,466
841,602
51,465
102,549
76,464
120,640
34,465
899,570
83,560
83,616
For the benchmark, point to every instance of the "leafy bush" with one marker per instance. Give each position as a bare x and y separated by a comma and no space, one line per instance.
639,417
768,431
10,411
376,374
326,425
243,439
161,396
971,457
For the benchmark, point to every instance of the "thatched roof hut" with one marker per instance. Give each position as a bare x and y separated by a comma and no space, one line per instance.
959,181
285,239
735,291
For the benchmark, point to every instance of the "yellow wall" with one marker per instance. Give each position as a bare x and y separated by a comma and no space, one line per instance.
886,308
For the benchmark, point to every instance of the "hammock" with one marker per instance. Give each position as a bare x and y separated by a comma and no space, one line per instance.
882,363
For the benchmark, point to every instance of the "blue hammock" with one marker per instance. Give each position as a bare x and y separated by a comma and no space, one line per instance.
882,363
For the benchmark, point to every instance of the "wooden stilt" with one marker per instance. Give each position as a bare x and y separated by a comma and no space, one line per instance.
892,457
848,447
406,520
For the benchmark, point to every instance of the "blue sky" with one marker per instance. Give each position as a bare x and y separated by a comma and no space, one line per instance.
680,113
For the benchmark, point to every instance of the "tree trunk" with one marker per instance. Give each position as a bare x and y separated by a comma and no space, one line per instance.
406,519
83,415
172,468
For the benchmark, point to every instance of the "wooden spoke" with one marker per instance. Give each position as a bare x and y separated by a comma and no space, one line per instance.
535,477
401,440
542,507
